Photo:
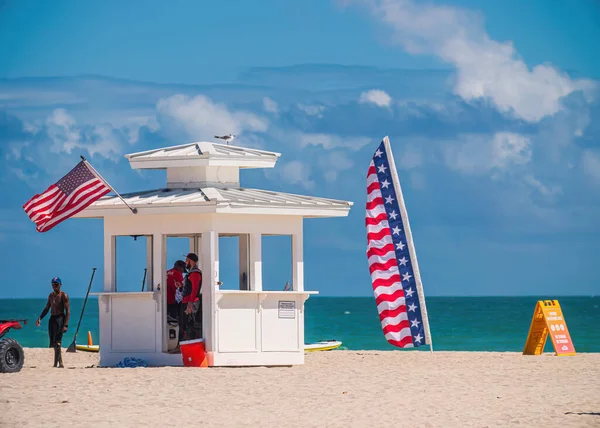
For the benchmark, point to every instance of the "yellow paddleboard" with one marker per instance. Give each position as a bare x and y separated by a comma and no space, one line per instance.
88,348
325,345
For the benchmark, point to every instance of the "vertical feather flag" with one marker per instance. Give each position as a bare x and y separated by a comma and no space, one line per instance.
392,259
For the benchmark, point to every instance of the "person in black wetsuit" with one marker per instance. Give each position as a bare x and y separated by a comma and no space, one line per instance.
60,312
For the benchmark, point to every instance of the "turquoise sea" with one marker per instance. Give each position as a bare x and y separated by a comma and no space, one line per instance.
457,323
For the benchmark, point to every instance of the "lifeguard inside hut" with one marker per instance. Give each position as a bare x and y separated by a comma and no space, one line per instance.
203,200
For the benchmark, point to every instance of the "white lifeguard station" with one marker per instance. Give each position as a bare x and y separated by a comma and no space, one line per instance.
203,200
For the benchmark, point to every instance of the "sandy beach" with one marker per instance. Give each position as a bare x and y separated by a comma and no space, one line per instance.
334,389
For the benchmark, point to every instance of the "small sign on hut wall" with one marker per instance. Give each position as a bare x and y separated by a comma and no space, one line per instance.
287,309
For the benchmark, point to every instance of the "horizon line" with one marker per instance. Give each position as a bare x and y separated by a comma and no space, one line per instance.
556,297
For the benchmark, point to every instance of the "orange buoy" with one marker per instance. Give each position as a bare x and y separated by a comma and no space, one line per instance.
89,338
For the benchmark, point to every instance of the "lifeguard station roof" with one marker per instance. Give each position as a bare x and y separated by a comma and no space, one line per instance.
202,154
217,200
203,177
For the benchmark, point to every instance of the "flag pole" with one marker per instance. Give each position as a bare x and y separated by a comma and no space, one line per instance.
97,174
409,239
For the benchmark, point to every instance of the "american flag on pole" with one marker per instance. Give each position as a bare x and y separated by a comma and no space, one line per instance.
69,195
392,260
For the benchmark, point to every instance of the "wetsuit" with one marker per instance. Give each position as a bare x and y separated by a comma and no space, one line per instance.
58,304
56,324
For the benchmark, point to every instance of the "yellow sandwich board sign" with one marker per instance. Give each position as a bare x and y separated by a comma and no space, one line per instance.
548,319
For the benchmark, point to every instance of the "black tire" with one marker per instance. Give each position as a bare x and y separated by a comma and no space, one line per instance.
11,356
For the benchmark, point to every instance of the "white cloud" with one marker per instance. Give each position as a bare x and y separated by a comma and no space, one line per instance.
297,172
409,158
62,130
486,69
66,136
503,156
200,118
24,176
590,161
541,187
253,141
15,149
330,141
469,155
270,105
333,163
481,153
33,97
375,96
510,149
130,124
30,127
312,110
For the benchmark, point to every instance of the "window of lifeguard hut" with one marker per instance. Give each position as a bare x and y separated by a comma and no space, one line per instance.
277,262
133,263
234,262
232,265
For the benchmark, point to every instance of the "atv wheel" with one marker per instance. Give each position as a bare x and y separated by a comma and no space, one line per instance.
11,356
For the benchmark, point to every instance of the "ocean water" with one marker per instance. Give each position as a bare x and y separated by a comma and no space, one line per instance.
457,323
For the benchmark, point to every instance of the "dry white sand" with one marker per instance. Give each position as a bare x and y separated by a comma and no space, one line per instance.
336,388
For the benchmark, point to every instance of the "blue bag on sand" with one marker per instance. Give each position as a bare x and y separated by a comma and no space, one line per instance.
129,362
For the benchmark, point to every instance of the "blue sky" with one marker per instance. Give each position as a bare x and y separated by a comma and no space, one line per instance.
492,109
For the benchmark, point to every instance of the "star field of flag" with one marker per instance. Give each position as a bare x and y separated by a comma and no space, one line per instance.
390,263
78,175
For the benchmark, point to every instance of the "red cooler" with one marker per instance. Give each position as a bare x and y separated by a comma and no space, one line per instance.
192,352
